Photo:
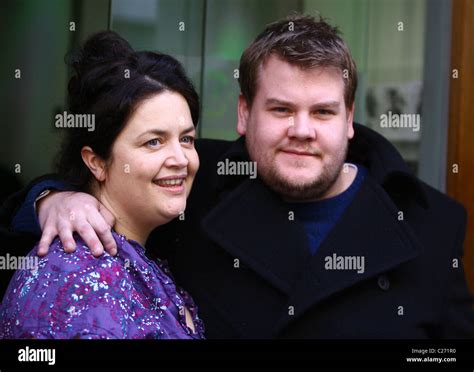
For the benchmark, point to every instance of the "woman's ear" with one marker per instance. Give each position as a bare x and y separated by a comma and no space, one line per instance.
95,164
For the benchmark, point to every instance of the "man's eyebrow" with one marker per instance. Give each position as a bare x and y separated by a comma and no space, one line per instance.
160,132
334,105
325,104
276,101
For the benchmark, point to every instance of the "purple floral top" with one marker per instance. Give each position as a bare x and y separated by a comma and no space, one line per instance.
75,295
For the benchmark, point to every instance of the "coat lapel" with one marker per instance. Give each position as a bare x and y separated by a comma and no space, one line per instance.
252,225
369,228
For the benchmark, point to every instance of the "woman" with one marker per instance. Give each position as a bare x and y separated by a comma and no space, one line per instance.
139,160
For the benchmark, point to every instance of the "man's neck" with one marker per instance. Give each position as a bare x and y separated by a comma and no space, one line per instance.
344,180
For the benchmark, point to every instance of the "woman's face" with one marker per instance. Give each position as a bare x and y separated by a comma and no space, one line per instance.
153,163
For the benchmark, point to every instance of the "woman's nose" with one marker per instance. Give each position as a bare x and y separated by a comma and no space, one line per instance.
177,157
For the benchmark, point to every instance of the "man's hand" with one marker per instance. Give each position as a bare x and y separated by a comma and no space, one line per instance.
62,213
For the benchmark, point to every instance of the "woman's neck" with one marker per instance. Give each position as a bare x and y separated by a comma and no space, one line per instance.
124,224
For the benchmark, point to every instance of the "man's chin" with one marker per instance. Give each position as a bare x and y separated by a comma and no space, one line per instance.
299,180
293,185
289,189
299,187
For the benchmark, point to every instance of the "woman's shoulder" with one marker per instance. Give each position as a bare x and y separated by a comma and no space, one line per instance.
74,289
58,270
78,260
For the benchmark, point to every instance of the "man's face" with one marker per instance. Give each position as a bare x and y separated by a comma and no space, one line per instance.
297,129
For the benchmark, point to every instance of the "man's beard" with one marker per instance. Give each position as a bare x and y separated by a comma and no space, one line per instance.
309,191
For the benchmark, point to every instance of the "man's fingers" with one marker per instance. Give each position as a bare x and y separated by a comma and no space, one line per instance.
46,239
108,217
89,236
65,234
103,230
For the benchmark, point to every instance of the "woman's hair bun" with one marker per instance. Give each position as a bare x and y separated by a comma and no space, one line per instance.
102,47
93,64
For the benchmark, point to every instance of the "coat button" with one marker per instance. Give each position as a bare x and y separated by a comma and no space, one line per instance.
383,282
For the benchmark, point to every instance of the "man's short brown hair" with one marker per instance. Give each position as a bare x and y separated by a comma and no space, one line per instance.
302,41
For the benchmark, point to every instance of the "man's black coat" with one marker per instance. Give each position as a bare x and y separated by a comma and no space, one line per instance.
246,261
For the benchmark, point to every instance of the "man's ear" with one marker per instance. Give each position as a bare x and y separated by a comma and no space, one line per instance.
242,115
94,162
350,121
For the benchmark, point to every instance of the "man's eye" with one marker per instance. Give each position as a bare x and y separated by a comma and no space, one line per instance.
325,112
188,139
280,109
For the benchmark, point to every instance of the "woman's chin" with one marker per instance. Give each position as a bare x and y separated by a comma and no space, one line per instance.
173,211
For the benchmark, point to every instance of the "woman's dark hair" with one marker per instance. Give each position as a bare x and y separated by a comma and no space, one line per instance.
110,81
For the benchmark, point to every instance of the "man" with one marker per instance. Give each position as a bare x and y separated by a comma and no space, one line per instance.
334,238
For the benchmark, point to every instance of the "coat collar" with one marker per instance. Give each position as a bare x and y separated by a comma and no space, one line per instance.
253,225
378,237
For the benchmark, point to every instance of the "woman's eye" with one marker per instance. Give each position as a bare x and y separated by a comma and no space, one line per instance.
188,139
153,142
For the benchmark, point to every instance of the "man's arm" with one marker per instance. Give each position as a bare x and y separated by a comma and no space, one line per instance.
16,220
59,213
19,209
18,240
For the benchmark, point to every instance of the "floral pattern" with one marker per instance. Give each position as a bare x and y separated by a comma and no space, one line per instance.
75,295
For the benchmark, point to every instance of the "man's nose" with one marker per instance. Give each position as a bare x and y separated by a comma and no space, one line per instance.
301,127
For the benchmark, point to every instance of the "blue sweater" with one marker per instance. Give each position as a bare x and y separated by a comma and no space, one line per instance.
320,217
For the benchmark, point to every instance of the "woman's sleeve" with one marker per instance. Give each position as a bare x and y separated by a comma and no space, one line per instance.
68,296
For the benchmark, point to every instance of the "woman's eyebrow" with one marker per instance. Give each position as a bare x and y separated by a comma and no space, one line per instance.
158,132
188,130
161,132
